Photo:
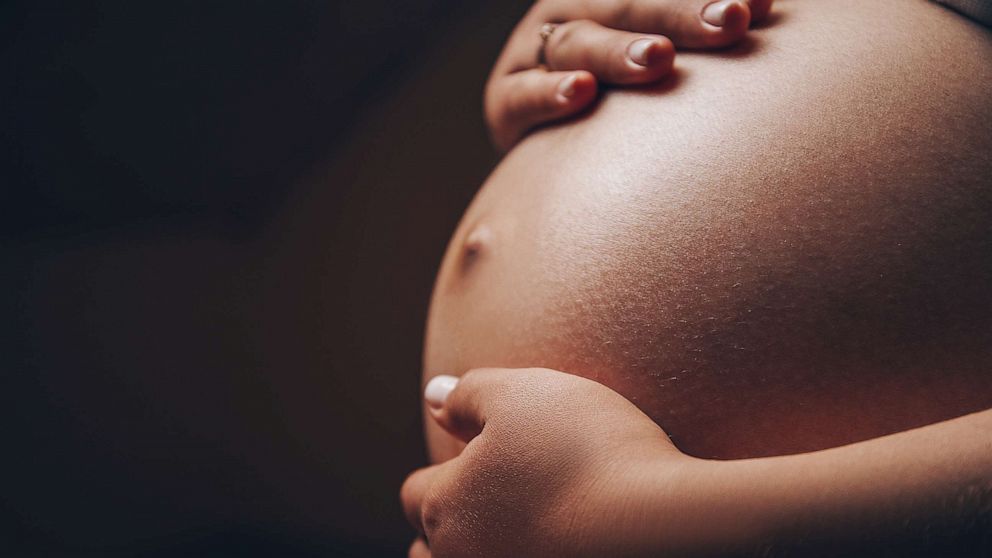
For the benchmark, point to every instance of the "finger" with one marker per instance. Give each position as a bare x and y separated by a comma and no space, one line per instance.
462,406
612,56
517,102
689,24
419,549
759,9
697,24
413,491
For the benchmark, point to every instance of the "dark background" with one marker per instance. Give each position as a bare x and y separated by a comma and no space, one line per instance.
219,227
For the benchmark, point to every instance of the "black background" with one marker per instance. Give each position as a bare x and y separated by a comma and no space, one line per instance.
219,226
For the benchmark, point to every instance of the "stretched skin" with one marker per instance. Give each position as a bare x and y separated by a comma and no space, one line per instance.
784,248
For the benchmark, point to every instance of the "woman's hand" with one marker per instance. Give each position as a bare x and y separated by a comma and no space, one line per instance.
556,465
610,41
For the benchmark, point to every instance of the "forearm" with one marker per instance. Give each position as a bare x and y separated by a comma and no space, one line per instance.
927,490
924,492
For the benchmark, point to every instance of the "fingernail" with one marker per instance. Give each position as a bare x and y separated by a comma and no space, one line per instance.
566,87
638,51
437,390
715,13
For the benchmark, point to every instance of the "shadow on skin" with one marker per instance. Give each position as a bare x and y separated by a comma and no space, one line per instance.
773,18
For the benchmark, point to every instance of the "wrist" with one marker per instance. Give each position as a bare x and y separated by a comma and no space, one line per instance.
694,507
677,505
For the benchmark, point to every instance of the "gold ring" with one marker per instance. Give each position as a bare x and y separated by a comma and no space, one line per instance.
546,30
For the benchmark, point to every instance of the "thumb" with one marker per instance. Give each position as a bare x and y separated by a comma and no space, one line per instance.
463,405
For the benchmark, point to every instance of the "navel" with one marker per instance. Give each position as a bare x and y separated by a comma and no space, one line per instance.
477,245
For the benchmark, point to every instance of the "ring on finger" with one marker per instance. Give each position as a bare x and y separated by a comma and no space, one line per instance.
546,30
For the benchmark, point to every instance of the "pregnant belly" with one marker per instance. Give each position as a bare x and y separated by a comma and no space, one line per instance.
780,251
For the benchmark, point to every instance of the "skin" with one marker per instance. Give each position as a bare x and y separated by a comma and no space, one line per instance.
763,262
539,478
607,41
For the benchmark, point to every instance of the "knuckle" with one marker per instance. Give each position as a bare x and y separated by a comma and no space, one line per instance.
565,33
431,514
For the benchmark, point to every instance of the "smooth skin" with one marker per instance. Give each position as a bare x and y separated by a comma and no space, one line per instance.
600,42
557,465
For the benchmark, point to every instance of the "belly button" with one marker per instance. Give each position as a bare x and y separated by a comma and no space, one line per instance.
478,242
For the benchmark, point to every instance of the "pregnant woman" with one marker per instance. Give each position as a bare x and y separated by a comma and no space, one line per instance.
782,256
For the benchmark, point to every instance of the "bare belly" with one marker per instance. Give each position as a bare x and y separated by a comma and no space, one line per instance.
786,249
